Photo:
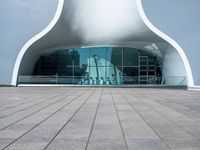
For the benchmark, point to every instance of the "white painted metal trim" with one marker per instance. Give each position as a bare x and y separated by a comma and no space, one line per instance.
190,81
34,39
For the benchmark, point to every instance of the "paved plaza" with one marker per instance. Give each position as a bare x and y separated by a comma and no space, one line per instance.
71,118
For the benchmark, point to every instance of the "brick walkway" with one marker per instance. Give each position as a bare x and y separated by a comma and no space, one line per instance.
64,118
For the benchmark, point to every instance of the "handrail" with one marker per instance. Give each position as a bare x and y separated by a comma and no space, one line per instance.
55,79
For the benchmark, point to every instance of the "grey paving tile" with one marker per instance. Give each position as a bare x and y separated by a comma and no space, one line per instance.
106,133
4,141
66,144
127,118
45,132
77,131
184,144
32,121
28,146
138,134
146,144
106,144
22,114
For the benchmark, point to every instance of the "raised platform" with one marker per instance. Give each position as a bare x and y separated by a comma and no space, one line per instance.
79,118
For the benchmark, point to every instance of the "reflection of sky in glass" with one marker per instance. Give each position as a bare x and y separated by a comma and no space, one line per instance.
86,53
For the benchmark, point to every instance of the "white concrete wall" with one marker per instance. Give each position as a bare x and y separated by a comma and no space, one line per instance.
123,24
36,15
180,20
19,21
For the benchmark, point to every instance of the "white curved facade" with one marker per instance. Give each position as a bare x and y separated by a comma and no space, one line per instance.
107,23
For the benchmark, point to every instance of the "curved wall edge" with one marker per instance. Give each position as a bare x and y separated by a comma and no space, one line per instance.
144,19
190,81
34,39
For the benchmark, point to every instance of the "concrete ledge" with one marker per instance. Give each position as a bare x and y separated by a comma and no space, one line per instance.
105,86
197,88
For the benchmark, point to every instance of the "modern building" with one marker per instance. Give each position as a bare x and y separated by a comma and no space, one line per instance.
100,42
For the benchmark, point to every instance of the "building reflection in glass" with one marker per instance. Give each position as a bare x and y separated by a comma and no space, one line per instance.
100,66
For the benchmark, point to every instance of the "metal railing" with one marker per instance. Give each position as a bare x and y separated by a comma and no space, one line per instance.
124,80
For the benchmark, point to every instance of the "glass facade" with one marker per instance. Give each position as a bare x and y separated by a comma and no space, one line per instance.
99,66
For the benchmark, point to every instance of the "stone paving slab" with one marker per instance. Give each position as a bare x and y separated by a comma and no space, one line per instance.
69,118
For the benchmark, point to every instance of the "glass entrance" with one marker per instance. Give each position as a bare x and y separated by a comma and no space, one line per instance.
98,66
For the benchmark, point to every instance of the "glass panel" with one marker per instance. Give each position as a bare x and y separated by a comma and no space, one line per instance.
114,75
98,56
64,80
130,57
46,65
130,75
98,66
116,56
84,55
109,54
130,71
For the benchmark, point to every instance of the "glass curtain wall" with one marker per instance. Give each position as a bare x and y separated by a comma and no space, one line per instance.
100,66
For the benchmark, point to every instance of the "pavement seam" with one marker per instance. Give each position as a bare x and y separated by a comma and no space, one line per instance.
178,111
146,121
60,99
68,120
28,107
41,122
167,117
23,101
170,120
119,120
92,127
